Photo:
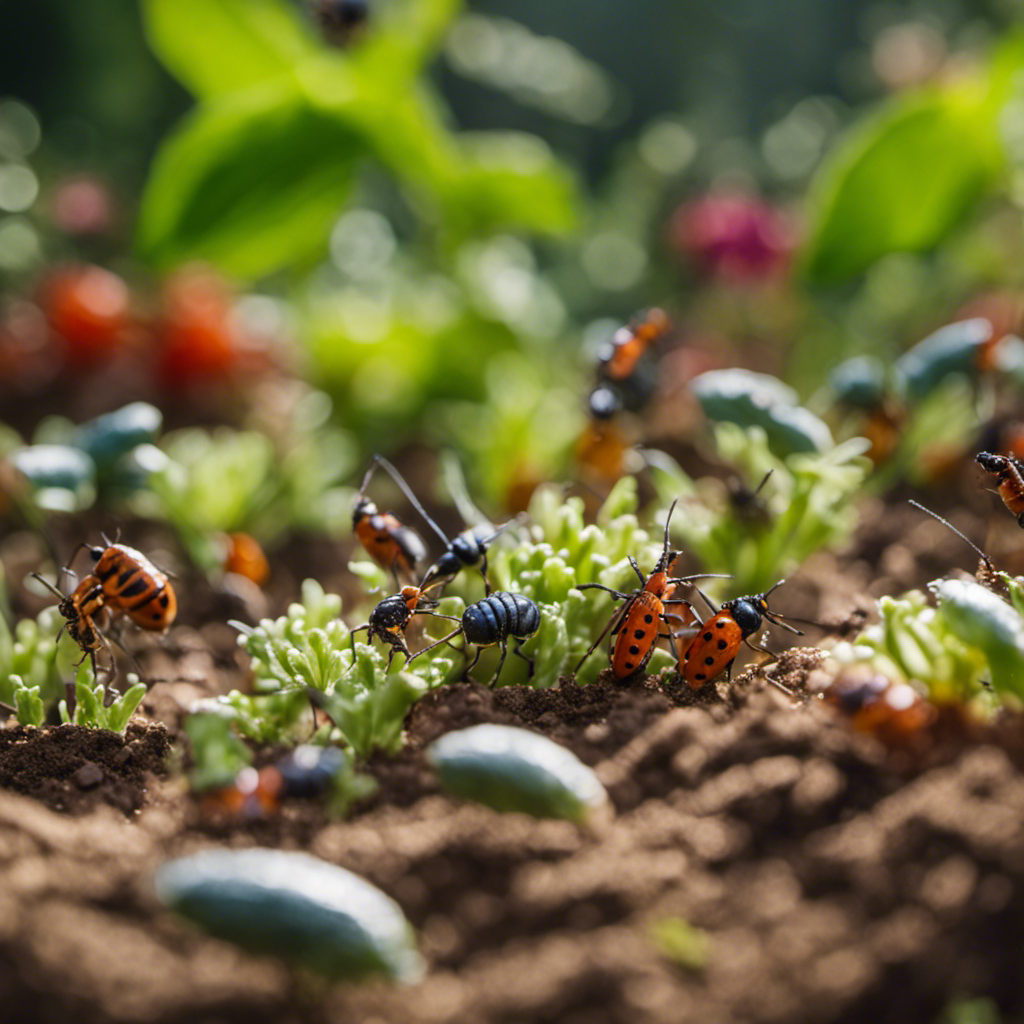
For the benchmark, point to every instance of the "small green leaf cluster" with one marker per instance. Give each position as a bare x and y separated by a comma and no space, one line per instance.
311,651
210,483
30,679
96,709
967,649
807,504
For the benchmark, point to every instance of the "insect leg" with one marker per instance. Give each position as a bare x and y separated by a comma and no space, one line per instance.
483,572
601,586
518,649
443,640
469,668
501,661
615,620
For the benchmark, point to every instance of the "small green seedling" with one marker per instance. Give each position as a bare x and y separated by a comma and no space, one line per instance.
309,654
806,505
310,913
512,769
218,755
681,942
91,703
30,670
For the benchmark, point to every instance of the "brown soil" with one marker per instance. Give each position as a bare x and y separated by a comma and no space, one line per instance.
836,881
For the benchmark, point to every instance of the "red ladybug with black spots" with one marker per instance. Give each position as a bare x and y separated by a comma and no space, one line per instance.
713,650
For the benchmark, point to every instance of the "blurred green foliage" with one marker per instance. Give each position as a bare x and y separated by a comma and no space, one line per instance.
252,178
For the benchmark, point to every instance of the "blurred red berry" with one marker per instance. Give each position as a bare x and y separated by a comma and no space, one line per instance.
90,308
196,333
732,237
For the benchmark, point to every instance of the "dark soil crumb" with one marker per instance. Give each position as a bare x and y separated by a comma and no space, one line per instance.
73,769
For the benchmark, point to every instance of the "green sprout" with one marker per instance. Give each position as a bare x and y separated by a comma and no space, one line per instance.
29,676
681,942
309,653
210,483
806,506
968,649
95,708
218,755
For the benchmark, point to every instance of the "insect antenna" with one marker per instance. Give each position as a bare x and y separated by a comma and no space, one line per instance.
962,536
48,585
413,500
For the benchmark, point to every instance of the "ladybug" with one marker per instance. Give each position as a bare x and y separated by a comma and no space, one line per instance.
1007,472
387,540
636,625
713,650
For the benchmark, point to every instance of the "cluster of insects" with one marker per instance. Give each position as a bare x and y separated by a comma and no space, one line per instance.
706,649
625,381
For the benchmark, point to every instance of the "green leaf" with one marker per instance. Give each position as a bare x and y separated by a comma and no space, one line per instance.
900,182
511,179
216,46
252,184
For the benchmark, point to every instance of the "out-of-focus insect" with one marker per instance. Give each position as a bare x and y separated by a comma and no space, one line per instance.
618,358
746,503
341,21
391,617
894,712
495,619
133,585
305,773
713,650
467,550
85,616
245,557
1009,481
388,541
636,625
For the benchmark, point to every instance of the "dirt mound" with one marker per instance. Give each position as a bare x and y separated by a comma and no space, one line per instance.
73,769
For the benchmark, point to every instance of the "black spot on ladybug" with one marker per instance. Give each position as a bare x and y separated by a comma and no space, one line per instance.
707,636
720,624
639,634
164,600
648,619
700,675
629,664
722,644
157,616
634,649
709,661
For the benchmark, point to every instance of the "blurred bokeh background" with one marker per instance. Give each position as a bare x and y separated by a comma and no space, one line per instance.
419,232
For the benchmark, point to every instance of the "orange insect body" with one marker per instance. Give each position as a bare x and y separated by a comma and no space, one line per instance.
713,650
640,624
246,558
895,713
253,795
133,585
636,626
628,344
1010,483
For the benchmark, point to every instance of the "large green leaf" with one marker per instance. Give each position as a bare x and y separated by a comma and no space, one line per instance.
251,184
218,46
512,180
900,182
